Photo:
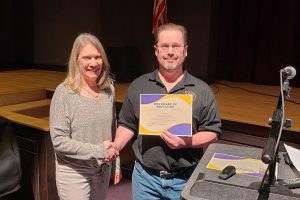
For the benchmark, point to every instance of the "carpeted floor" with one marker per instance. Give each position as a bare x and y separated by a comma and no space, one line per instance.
121,191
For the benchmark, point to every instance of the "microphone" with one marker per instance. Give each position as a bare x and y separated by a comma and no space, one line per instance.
288,72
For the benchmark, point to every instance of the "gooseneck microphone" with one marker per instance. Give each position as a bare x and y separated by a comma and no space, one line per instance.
289,72
277,121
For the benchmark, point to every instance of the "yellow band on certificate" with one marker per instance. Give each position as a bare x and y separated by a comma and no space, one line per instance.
166,112
243,165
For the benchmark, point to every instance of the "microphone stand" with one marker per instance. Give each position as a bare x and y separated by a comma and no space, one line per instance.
277,122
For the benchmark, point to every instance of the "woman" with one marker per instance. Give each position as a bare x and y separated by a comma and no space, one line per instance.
82,122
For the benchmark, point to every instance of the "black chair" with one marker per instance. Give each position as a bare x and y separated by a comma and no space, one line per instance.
10,166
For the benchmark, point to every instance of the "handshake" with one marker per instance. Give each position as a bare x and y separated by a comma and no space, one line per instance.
113,151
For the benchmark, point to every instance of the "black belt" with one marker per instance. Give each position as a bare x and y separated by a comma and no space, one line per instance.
163,174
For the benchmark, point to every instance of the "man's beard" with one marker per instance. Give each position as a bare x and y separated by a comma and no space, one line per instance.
172,66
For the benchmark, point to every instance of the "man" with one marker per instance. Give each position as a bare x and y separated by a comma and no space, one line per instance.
165,163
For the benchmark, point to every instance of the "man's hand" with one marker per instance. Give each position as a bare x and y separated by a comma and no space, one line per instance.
175,142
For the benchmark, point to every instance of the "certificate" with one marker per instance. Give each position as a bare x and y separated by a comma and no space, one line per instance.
166,112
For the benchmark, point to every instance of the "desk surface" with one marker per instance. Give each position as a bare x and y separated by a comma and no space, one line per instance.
235,103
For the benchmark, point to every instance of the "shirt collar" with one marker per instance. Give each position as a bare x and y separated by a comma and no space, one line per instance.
186,80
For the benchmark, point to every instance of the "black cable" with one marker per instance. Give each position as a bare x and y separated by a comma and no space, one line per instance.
259,93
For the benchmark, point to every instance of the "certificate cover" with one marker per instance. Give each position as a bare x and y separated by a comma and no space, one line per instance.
166,112
243,165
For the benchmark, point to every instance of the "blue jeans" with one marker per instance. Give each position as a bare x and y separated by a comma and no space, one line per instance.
150,187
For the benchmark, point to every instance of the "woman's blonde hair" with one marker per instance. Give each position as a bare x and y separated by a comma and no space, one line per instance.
73,76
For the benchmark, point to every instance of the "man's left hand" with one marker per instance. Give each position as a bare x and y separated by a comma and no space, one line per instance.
175,142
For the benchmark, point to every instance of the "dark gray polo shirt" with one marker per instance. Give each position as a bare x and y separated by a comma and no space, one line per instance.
152,151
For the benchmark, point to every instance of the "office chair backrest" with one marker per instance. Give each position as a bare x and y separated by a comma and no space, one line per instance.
10,166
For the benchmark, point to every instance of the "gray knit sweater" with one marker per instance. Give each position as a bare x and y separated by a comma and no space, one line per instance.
79,125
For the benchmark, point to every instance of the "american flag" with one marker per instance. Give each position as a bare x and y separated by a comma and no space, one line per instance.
159,14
